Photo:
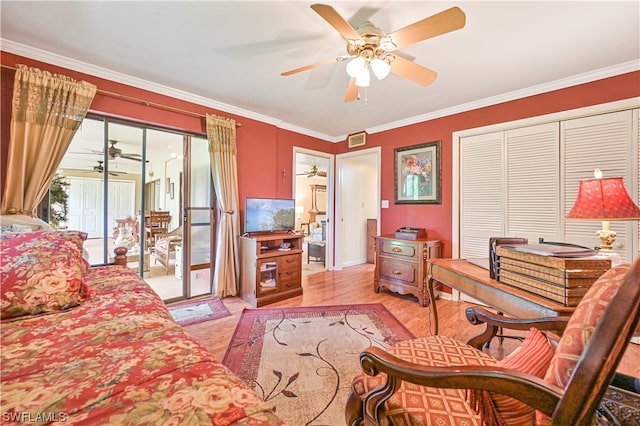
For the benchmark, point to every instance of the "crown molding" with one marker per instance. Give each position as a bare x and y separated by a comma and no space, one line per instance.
107,74
86,68
587,77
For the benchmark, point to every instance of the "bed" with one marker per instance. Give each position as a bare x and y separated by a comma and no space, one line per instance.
94,346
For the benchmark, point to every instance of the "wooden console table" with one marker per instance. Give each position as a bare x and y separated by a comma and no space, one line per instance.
474,281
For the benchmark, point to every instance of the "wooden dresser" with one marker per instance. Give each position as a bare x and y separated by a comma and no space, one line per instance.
401,265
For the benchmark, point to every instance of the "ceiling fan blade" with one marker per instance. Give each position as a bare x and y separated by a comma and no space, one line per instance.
334,19
352,91
440,23
130,157
308,67
412,71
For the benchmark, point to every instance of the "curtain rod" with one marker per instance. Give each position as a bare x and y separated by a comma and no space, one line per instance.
140,101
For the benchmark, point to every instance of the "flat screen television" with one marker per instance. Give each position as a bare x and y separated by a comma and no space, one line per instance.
269,215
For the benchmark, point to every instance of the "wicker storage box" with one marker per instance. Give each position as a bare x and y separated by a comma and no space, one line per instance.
563,280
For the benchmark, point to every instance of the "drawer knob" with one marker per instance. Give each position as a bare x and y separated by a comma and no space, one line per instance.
396,250
396,272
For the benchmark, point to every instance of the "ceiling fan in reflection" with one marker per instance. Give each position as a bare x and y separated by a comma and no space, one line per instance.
114,153
99,168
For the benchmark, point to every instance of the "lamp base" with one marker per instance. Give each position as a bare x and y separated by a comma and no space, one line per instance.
611,254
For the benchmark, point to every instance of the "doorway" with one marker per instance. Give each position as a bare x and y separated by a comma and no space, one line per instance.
357,200
314,207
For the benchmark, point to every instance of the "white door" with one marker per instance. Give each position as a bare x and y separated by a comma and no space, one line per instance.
85,206
121,199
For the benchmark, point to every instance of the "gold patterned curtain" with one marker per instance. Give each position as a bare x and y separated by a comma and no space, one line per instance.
47,111
221,133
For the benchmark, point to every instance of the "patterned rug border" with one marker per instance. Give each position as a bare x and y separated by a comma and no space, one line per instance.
248,319
215,304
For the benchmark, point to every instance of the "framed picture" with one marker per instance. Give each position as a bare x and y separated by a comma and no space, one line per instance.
167,184
171,193
357,139
417,174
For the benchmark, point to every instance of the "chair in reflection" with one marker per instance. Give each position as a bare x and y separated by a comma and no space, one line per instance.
155,223
165,247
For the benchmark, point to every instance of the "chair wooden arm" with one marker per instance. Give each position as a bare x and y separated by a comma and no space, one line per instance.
527,388
477,315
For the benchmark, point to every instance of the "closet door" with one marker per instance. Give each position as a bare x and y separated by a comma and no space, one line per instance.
605,142
481,193
532,181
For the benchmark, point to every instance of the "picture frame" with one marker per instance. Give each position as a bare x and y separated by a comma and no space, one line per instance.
357,139
171,193
167,184
418,174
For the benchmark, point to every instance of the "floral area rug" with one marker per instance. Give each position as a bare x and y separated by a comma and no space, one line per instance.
194,312
302,360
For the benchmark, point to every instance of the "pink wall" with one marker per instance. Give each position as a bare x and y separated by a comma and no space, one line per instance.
264,150
437,218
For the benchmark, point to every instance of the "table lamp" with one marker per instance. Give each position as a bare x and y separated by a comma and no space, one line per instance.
604,199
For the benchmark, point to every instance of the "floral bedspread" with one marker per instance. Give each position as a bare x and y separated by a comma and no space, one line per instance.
117,358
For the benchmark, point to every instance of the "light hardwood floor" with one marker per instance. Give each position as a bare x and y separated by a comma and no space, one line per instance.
355,285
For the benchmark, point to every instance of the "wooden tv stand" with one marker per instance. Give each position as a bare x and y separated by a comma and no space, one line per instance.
267,272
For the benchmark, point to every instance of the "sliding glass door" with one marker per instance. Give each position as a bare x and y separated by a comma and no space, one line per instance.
200,217
143,188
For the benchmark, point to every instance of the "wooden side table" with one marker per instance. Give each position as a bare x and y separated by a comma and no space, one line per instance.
401,265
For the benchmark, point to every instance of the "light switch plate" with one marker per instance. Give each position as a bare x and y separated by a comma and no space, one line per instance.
385,204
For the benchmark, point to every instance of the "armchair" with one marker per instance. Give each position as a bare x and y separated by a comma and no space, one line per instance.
438,379
165,247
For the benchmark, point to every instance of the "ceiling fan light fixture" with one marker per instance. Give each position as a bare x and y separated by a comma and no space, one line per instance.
387,44
381,68
364,78
356,67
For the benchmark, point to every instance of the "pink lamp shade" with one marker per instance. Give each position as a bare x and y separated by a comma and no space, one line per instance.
603,199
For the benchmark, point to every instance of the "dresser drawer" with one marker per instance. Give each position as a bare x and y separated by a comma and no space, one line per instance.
403,272
400,249
289,283
289,263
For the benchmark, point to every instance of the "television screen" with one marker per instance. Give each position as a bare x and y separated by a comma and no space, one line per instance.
269,214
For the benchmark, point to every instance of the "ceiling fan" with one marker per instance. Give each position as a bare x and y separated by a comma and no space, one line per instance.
117,152
114,152
314,172
99,168
369,47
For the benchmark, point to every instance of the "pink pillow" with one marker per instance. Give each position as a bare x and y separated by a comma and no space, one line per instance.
532,357
581,326
41,272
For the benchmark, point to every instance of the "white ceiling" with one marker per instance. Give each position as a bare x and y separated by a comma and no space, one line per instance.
229,55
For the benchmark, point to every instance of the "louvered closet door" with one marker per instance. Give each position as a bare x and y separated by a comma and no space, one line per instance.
481,188
636,119
605,142
532,183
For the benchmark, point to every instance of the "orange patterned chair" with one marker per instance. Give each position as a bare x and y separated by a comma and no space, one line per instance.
438,380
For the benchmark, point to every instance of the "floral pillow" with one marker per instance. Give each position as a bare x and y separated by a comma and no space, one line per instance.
41,272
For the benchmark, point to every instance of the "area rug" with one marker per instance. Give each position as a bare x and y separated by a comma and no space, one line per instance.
302,360
194,312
